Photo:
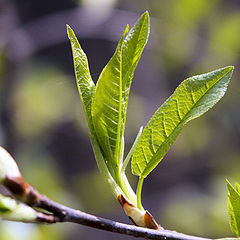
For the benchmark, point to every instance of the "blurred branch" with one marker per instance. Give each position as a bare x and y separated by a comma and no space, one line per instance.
61,213
65,214
11,178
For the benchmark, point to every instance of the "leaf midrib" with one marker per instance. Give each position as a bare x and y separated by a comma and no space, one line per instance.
119,138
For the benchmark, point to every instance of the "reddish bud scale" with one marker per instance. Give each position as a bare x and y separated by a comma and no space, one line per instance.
138,217
22,190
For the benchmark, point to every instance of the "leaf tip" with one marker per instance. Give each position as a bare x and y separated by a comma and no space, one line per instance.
69,30
145,17
228,69
126,30
146,14
68,27
229,185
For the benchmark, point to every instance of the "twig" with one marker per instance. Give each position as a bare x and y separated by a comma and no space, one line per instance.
60,213
131,230
65,214
25,193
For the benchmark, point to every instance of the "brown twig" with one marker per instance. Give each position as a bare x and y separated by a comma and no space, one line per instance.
65,214
60,213
56,212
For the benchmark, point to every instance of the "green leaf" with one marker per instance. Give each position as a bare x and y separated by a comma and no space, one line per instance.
191,99
86,86
115,77
107,109
234,208
133,46
104,169
112,91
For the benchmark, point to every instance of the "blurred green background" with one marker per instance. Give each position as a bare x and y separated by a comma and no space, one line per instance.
43,126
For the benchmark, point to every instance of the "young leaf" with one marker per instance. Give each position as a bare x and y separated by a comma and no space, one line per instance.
234,208
133,46
191,99
104,169
86,89
86,86
111,97
106,108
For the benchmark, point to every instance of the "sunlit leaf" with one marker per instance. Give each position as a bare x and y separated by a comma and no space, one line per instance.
133,46
191,99
107,108
234,208
112,91
86,86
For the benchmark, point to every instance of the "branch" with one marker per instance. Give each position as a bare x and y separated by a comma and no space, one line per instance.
66,214
60,213
11,178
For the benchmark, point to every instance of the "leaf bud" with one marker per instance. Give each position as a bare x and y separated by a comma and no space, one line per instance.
12,210
8,166
139,217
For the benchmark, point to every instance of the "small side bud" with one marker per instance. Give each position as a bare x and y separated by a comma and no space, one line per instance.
150,222
8,167
10,209
138,217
